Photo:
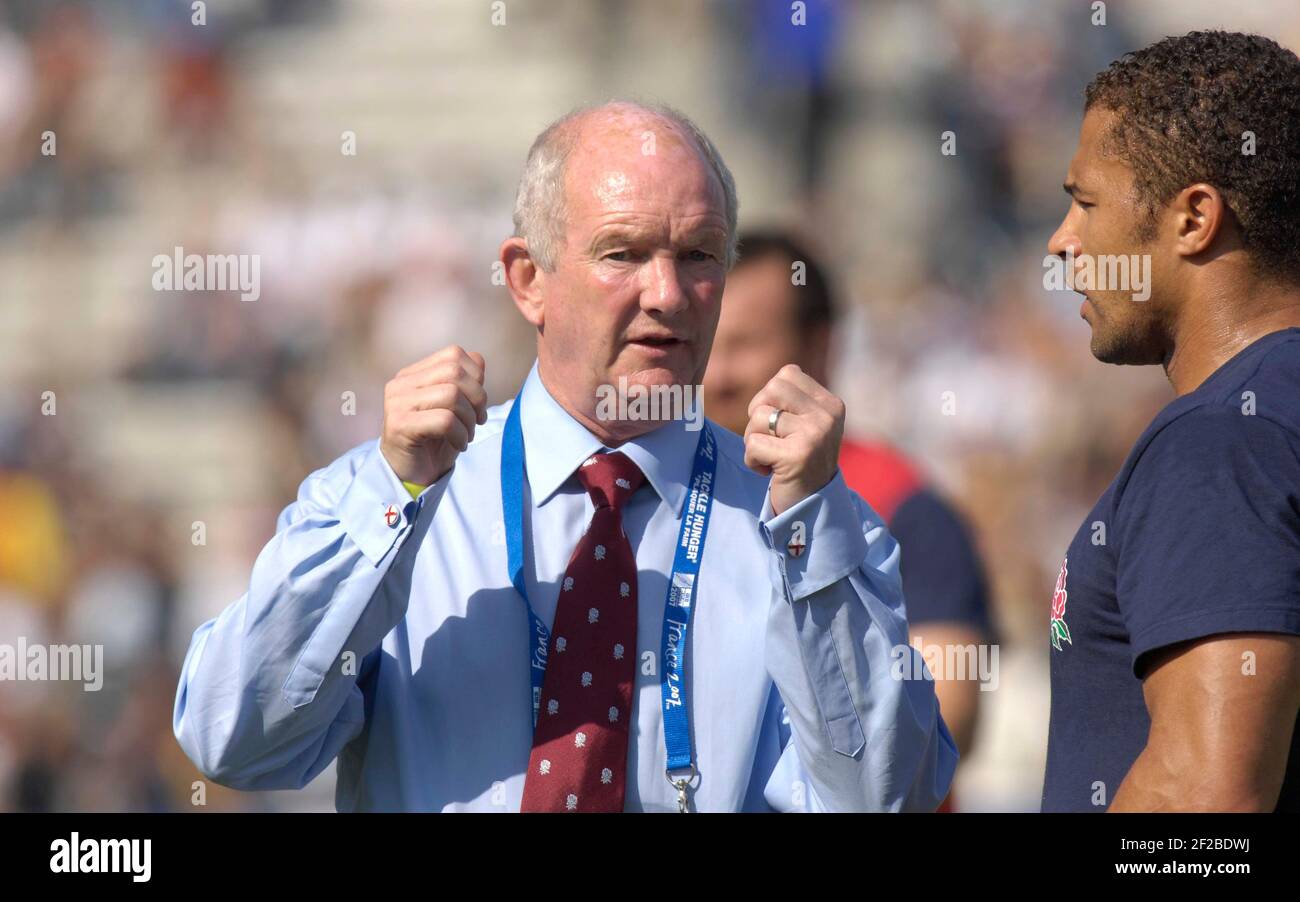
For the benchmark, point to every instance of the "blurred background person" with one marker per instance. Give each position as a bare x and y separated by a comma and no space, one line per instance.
778,307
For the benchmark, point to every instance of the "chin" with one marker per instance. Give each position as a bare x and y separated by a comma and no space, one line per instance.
653,375
1107,354
1124,350
665,370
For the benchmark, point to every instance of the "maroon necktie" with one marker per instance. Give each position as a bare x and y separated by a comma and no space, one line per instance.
579,757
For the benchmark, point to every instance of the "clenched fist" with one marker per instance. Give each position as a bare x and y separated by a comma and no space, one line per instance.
804,454
430,410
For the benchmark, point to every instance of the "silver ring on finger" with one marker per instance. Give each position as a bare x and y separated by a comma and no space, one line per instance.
772,419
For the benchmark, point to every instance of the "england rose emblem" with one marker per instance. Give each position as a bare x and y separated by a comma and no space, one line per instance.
1059,629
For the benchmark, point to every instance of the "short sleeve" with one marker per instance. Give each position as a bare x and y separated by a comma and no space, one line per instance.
1208,532
943,579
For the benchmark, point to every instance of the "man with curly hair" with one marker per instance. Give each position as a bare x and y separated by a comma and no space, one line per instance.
1175,622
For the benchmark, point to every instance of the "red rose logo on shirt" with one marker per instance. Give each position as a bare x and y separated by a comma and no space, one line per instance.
1059,629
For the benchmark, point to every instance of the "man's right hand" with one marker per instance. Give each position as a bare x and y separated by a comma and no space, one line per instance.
430,410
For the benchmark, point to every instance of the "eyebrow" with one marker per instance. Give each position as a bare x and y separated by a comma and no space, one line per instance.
1073,189
621,231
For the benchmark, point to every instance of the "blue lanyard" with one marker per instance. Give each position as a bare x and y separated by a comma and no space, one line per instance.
681,583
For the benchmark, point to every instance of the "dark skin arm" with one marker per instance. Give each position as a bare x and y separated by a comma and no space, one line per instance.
1219,737
958,697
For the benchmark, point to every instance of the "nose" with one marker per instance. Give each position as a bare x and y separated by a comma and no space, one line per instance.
1065,239
661,289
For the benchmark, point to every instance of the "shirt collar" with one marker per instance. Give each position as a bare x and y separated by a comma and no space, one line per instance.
556,444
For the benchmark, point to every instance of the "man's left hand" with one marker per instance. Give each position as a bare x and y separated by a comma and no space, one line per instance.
804,454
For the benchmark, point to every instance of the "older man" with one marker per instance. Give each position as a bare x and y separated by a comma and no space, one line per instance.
541,606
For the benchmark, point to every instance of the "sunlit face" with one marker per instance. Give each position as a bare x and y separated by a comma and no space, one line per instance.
756,336
637,285
1104,218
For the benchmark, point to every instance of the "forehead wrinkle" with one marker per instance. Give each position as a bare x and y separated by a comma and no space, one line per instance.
636,226
625,224
642,196
618,192
683,220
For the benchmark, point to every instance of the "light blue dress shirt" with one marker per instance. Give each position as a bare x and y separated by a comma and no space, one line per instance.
384,631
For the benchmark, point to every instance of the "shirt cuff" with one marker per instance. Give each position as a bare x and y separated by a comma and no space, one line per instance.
818,541
377,510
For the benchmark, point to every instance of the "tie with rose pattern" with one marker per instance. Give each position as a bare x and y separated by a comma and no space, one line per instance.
579,756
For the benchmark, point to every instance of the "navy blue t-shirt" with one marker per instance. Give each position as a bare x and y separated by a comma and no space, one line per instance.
1199,534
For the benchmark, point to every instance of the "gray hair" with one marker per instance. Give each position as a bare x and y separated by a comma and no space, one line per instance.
539,203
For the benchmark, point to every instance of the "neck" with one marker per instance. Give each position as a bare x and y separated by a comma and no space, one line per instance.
611,433
1219,324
